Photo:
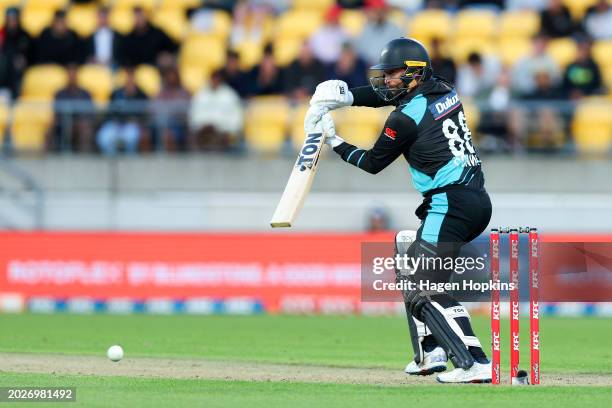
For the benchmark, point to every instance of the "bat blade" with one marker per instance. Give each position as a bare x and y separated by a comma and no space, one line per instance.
299,183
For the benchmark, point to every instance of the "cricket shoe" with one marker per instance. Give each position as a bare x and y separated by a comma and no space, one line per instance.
478,373
433,362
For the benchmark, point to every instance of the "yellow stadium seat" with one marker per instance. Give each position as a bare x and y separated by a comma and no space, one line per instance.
147,78
41,82
353,21
121,19
4,4
519,23
204,51
193,78
286,49
266,123
359,125
317,5
297,126
34,20
47,4
98,80
298,24
475,23
220,25
464,46
82,19
578,8
31,121
130,4
510,50
430,24
592,127
181,4
602,53
5,112
250,53
268,29
562,50
173,22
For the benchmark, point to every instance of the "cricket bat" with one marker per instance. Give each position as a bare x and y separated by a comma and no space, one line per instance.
299,182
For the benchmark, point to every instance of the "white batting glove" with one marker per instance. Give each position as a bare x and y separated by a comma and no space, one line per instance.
329,130
332,94
313,118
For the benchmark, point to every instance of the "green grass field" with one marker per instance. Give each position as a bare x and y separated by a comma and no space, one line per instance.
570,347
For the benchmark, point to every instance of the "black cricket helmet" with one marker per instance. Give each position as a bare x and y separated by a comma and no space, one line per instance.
404,53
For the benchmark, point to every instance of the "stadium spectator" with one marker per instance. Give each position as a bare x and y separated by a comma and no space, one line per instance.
538,5
349,68
123,125
59,44
598,21
169,109
15,52
537,124
378,220
582,77
351,4
495,4
407,6
545,88
248,23
144,44
377,31
215,116
449,5
234,75
442,66
525,69
492,128
326,42
73,122
556,20
266,78
225,5
104,40
477,76
275,7
302,75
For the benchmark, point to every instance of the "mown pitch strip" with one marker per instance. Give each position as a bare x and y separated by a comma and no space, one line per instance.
185,368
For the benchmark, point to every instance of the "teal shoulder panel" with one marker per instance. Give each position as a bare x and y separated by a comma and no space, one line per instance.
416,108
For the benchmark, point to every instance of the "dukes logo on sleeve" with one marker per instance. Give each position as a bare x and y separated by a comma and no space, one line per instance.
445,105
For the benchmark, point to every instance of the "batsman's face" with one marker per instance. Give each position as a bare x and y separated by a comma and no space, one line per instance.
393,78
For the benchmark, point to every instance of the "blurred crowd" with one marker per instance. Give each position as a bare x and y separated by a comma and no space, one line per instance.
211,117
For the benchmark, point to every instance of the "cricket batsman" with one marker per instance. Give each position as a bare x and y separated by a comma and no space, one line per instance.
428,127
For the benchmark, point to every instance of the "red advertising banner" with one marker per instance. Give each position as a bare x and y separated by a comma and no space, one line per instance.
299,272
280,270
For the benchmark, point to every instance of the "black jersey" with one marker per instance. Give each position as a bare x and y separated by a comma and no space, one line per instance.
429,128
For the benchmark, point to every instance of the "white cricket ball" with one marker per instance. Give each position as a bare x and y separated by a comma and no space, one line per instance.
114,353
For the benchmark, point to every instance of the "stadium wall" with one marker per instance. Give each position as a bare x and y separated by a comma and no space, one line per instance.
227,193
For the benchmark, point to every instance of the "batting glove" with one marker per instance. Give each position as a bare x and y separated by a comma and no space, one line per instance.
313,118
329,130
332,94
